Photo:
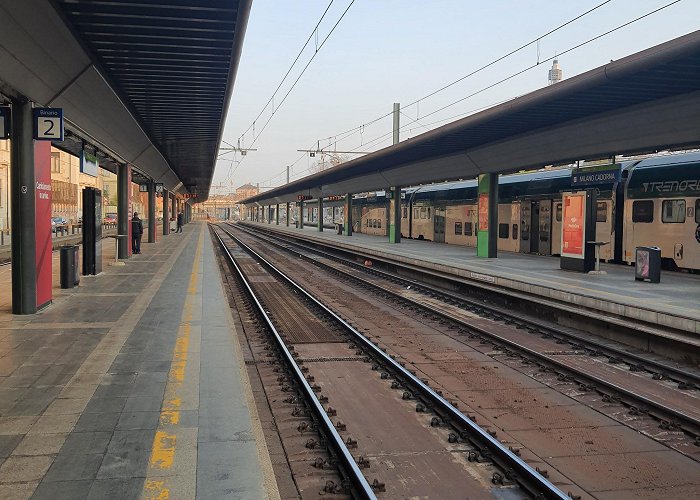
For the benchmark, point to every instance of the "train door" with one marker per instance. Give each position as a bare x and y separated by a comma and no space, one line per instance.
556,228
525,222
439,224
545,227
534,226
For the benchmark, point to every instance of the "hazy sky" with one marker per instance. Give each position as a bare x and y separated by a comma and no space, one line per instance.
386,51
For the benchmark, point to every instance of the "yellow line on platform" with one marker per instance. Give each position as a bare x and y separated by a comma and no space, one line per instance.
165,443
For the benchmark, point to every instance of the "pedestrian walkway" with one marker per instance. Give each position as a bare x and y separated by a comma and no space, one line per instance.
132,386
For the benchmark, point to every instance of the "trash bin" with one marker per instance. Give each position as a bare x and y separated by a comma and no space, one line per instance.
70,269
339,227
647,264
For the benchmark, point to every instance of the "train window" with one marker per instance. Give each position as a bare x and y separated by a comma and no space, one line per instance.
422,213
601,213
415,213
404,213
558,212
503,231
515,231
428,212
673,211
458,228
697,210
643,211
379,223
467,229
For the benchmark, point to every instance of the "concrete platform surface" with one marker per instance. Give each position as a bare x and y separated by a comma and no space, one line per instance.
674,303
132,386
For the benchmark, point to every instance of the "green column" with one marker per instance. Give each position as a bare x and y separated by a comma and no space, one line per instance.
300,216
395,215
289,216
277,214
487,226
348,215
319,220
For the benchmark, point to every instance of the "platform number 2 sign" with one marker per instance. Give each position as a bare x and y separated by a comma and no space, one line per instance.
48,124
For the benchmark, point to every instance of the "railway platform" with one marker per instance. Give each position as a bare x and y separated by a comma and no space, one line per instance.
132,385
669,305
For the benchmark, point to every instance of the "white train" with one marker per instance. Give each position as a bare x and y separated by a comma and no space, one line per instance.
655,203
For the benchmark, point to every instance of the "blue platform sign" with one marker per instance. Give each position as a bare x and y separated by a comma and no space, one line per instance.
48,124
592,176
4,122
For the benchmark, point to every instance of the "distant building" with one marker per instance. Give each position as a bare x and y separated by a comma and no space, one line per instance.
246,191
555,74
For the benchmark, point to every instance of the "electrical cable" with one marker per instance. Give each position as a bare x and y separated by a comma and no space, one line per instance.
472,73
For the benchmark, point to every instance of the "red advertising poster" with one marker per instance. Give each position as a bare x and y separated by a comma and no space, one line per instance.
130,211
42,222
573,224
483,212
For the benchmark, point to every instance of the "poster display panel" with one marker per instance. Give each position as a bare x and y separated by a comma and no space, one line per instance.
483,212
573,225
42,223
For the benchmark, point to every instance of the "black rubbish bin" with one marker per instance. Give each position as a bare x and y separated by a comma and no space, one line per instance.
339,227
647,264
70,269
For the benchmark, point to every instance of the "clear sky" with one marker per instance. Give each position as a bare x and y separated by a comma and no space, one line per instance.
386,51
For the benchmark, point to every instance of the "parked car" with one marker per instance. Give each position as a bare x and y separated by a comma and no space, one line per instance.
110,219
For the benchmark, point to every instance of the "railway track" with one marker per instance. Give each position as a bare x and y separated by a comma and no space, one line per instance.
319,346
646,387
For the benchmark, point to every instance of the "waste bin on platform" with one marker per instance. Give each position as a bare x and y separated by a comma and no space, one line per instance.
647,264
339,227
70,269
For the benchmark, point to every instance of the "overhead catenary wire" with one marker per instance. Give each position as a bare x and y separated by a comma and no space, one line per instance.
416,102
520,72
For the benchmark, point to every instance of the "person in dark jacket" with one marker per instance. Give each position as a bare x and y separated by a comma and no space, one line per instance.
180,222
136,233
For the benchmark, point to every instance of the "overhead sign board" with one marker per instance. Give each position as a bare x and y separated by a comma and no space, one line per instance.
159,187
304,197
600,174
143,188
190,195
4,122
48,124
88,163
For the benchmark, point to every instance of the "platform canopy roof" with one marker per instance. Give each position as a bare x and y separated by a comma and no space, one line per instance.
147,82
645,102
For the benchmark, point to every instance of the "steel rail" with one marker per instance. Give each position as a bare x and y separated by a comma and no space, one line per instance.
692,424
360,484
676,374
519,470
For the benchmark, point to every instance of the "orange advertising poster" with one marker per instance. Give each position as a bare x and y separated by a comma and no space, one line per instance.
483,212
573,225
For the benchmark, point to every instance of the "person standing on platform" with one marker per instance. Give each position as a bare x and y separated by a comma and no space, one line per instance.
136,233
180,222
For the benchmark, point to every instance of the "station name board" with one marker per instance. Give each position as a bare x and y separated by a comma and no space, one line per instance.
335,197
601,174
304,197
190,195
